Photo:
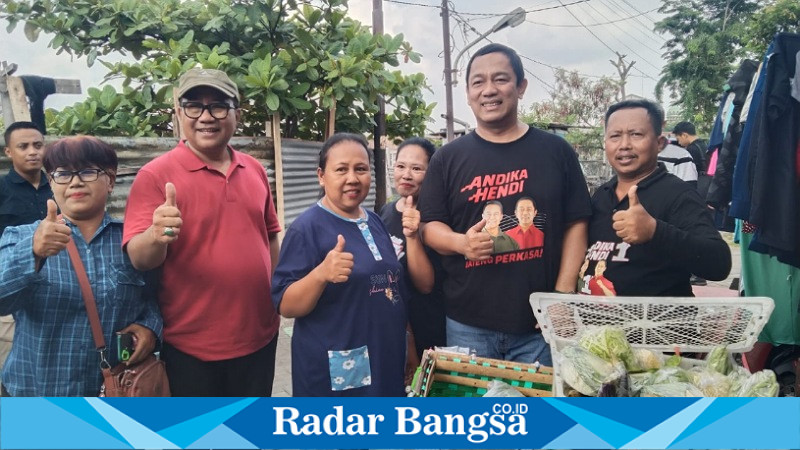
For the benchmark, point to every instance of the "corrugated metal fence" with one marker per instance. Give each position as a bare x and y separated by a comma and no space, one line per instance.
301,186
300,182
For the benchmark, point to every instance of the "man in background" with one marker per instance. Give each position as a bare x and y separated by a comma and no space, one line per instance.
679,163
687,137
23,196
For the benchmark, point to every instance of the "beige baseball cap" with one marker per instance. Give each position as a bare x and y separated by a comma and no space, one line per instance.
213,78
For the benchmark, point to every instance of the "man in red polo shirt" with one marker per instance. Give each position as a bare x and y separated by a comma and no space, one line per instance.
203,214
526,234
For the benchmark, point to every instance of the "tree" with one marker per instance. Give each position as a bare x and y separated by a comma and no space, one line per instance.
579,102
706,41
779,16
295,59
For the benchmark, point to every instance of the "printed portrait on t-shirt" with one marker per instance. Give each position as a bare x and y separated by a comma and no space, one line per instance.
592,277
493,215
513,219
526,231
599,284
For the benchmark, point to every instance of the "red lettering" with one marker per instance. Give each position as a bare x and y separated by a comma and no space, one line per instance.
502,191
516,187
479,196
476,183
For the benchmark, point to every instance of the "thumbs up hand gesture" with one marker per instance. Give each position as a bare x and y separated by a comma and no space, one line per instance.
52,235
338,264
411,218
634,225
167,218
479,244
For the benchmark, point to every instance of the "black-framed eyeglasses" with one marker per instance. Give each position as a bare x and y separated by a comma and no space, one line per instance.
194,110
85,175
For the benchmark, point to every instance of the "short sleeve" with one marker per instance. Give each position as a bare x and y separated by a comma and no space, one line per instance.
298,257
270,215
578,203
145,196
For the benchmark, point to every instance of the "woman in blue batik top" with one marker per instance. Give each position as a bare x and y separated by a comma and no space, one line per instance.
339,277
53,353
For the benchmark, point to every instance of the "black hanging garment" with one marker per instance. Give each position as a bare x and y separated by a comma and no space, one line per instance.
37,89
719,190
774,196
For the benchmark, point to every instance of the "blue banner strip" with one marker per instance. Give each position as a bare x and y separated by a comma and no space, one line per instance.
242,423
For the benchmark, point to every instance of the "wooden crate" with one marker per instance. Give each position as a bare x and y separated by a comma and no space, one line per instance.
444,374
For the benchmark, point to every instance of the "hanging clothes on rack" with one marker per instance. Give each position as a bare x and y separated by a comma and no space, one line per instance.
774,198
741,189
766,193
719,191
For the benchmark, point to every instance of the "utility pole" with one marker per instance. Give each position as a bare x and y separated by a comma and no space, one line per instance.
623,69
448,73
380,121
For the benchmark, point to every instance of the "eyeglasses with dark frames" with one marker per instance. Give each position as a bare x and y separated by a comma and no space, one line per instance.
85,175
194,110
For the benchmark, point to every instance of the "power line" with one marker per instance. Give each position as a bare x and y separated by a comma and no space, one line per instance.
653,35
603,42
487,15
413,4
657,52
550,87
465,24
635,9
588,24
588,75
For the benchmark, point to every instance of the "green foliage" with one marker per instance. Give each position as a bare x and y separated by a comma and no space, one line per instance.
706,42
577,102
285,57
109,113
779,16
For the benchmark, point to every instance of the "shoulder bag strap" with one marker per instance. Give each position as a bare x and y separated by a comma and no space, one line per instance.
88,300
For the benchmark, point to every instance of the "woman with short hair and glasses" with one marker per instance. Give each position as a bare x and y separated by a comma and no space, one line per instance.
53,352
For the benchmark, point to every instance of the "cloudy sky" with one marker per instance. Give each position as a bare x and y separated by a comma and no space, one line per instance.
580,35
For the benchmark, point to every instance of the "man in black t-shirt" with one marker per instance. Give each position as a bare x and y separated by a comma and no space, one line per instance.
503,160
23,196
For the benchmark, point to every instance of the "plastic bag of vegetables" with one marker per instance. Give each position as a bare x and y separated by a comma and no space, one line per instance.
638,381
610,344
759,384
584,371
648,359
669,375
710,382
719,360
671,390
